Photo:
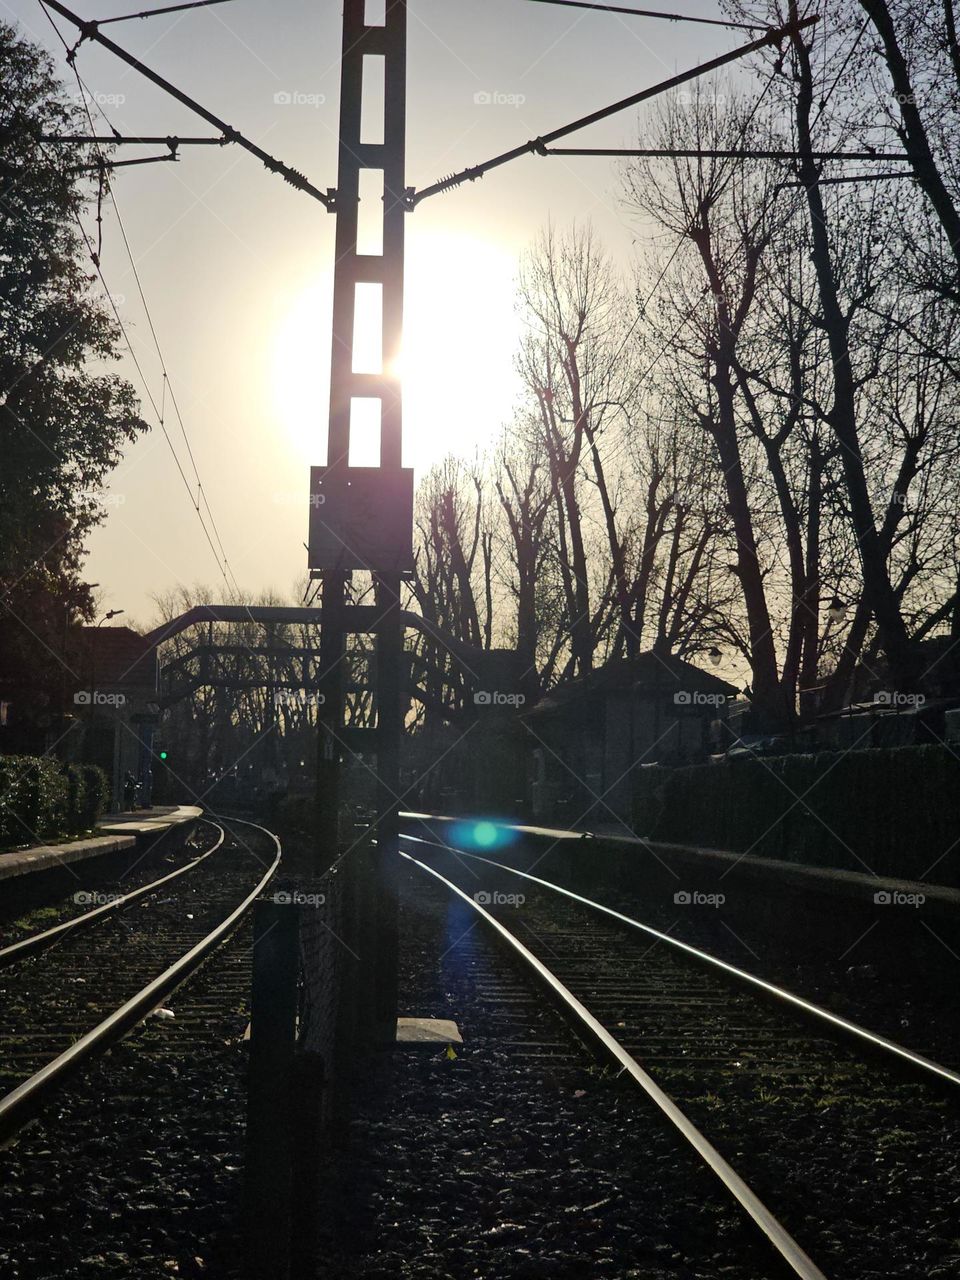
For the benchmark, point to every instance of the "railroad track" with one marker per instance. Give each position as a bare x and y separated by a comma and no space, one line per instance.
71,992
520,1158
107,900
721,1052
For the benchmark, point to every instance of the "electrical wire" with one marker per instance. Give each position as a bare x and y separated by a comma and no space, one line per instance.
652,13
152,13
220,556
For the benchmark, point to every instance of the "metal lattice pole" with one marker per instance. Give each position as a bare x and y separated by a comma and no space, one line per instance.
362,45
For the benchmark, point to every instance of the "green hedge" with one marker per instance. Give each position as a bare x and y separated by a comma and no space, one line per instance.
893,811
40,799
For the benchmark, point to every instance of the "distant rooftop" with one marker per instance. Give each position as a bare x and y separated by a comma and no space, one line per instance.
646,673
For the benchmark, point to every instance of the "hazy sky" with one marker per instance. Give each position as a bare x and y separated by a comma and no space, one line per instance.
236,265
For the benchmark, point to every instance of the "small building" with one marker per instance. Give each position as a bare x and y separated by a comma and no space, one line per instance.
588,736
115,708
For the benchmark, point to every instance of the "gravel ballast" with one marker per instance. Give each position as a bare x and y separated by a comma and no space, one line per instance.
519,1156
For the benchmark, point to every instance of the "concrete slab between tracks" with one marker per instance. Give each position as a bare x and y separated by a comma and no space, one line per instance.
426,1033
118,834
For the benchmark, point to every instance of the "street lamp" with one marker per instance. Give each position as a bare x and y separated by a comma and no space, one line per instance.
88,744
715,656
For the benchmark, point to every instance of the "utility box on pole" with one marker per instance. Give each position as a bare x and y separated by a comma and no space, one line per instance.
361,518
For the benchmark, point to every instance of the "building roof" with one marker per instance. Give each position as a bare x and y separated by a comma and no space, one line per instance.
647,673
117,656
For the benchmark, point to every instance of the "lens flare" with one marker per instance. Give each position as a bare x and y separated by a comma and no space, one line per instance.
485,835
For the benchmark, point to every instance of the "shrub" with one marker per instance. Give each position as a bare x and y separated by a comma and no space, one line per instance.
33,799
96,792
76,798
41,800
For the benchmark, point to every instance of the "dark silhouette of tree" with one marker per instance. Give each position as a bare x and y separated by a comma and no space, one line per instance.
62,426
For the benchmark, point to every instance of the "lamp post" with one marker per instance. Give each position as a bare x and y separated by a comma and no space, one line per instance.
111,613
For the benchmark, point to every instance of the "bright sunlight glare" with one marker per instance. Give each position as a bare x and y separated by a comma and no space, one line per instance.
461,331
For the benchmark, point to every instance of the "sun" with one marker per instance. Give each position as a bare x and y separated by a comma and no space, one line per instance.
457,364
460,340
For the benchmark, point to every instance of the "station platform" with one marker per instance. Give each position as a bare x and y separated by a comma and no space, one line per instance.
675,865
117,833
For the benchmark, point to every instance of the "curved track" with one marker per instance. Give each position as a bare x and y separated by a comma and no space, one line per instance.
35,942
118,964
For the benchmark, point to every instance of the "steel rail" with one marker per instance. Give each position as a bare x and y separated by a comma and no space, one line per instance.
769,1224
19,1105
37,941
807,1007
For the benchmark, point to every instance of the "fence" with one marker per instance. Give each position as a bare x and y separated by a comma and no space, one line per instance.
895,810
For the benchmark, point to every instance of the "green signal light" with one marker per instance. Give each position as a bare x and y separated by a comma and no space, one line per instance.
163,755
